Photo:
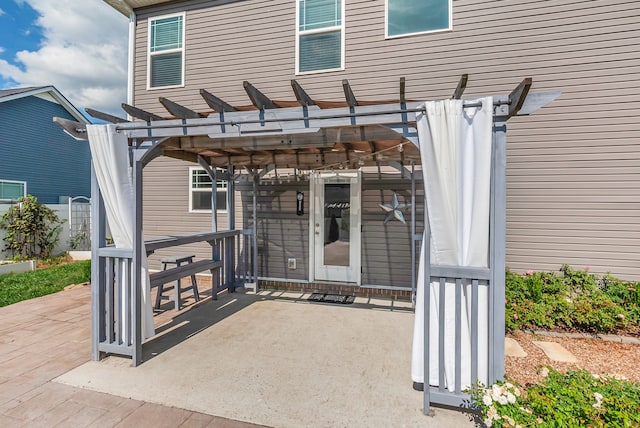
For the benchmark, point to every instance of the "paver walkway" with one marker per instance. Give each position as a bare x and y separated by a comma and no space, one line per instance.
41,339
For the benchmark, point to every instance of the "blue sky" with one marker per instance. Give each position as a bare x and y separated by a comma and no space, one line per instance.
79,46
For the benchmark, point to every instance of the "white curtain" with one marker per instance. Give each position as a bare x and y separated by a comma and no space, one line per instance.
110,157
455,150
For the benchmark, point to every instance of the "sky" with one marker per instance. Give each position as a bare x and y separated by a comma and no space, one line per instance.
78,46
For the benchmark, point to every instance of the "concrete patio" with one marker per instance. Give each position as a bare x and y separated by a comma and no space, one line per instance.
272,359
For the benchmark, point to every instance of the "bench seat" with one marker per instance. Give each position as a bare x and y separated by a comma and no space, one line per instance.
174,274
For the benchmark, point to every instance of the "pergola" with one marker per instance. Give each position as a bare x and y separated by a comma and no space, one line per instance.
306,134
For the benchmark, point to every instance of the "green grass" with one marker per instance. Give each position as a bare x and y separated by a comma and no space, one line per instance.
22,286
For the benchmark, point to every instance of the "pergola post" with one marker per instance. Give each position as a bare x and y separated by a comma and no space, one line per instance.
413,233
138,257
256,178
231,225
426,263
497,250
98,238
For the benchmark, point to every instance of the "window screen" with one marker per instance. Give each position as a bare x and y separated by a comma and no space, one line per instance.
320,32
166,51
416,16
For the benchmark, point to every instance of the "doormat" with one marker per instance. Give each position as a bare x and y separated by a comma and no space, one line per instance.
331,298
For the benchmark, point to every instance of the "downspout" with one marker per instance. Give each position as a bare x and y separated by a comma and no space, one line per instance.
125,8
132,58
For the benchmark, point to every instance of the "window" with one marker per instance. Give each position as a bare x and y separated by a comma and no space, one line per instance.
12,190
200,191
166,51
405,17
320,35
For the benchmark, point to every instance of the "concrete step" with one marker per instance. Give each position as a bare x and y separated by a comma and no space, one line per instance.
512,348
556,352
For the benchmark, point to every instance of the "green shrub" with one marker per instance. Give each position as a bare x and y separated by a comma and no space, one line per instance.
571,300
574,399
32,229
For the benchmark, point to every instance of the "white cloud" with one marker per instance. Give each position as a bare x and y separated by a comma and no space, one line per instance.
83,54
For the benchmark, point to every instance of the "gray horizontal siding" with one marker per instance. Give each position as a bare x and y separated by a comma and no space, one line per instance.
572,167
386,251
166,208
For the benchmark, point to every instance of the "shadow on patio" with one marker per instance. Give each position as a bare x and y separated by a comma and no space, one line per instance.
276,359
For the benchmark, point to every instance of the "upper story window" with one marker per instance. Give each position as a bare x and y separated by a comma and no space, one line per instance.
166,51
12,190
320,35
406,17
200,187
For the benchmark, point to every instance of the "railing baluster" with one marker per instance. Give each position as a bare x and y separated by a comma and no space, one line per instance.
474,330
458,336
441,341
110,302
131,298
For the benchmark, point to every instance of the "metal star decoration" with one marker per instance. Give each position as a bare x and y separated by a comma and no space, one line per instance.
394,209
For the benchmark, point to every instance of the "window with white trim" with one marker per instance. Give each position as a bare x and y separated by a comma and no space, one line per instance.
200,191
11,190
166,51
319,35
407,17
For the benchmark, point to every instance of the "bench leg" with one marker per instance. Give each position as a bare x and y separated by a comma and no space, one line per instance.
194,287
159,295
160,290
214,284
177,294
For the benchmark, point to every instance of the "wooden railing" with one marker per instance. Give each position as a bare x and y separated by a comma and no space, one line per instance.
117,293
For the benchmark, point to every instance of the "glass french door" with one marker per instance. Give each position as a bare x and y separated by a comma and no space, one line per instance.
335,225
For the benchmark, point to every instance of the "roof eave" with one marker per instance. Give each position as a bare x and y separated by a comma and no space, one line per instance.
121,6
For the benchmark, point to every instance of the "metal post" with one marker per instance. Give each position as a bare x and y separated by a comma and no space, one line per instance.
426,260
138,254
231,225
497,251
256,177
214,201
413,233
98,333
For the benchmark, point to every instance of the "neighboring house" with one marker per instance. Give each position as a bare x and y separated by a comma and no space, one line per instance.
573,170
37,158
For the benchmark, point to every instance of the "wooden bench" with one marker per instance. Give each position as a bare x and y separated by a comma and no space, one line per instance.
181,271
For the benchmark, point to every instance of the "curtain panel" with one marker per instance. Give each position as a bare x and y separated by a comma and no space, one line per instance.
455,150
110,158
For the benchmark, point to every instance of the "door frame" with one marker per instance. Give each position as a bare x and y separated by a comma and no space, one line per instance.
355,222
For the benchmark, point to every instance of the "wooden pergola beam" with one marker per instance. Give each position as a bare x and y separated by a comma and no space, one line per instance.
105,116
216,103
348,94
257,98
178,110
139,113
306,160
518,96
76,129
301,95
462,85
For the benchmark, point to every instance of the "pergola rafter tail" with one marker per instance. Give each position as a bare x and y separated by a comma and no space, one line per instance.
355,128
